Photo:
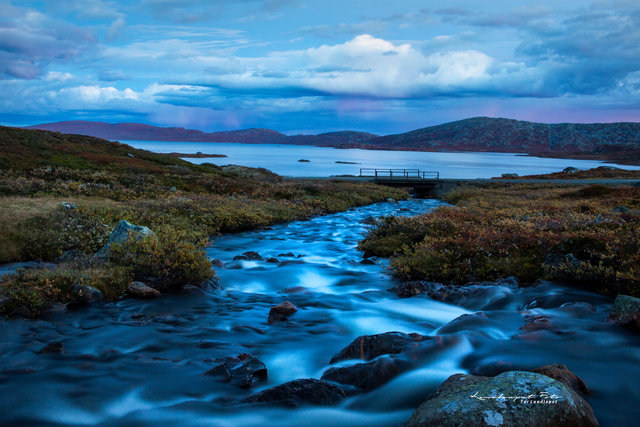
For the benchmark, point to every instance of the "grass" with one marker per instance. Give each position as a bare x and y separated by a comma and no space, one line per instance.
105,182
601,172
587,236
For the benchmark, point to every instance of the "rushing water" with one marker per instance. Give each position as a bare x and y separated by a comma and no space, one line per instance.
283,160
142,362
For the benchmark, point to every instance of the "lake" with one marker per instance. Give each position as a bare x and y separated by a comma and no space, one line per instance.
283,159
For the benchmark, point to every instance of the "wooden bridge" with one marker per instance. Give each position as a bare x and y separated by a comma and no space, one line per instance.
420,181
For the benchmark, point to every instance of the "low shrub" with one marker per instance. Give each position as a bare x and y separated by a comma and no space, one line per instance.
501,230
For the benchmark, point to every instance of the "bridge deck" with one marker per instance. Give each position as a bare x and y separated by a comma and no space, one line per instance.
401,177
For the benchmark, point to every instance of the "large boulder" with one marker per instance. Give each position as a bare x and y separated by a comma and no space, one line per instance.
242,371
512,398
124,231
369,347
561,373
300,392
370,375
626,312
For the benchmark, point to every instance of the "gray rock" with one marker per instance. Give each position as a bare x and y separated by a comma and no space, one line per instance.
509,175
300,392
68,205
142,291
217,263
122,232
529,399
570,169
85,294
625,312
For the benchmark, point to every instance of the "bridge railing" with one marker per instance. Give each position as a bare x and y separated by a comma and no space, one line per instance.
399,174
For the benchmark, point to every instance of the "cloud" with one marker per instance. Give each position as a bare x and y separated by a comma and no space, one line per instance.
193,11
56,76
340,30
30,41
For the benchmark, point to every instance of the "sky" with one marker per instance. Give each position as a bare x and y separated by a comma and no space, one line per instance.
309,66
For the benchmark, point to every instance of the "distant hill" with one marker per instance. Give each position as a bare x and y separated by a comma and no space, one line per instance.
26,149
141,132
487,134
619,142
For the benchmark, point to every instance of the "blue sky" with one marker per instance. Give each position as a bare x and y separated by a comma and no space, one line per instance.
301,66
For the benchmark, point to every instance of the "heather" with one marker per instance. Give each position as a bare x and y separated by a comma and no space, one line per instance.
62,195
587,236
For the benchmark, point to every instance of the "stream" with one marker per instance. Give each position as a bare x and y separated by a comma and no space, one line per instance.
142,362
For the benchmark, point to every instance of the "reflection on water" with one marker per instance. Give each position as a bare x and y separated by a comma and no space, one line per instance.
142,362
283,159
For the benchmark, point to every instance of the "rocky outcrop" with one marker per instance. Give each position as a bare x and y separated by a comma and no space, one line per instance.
512,398
368,347
625,312
242,371
300,392
142,291
281,312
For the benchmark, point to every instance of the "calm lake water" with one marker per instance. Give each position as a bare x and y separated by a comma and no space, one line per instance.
283,159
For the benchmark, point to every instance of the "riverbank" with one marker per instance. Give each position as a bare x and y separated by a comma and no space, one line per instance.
110,364
62,196
585,235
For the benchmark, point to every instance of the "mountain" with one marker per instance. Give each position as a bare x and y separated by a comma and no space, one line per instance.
608,141
488,134
141,132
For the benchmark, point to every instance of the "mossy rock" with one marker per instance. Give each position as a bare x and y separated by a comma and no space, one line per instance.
512,398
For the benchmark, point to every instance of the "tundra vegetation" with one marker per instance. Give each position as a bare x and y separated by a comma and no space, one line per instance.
61,196
583,235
